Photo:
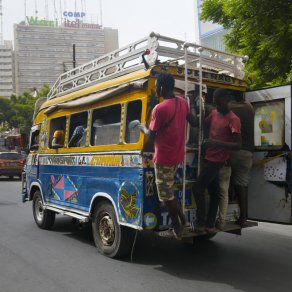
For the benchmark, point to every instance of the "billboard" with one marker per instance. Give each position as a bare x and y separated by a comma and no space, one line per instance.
74,14
31,20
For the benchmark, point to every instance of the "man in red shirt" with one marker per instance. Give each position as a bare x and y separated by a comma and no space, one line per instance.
223,135
167,131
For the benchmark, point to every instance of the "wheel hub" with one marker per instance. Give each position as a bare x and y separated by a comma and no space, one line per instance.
39,210
107,230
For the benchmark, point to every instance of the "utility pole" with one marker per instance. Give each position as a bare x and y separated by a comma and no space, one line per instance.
55,11
74,56
36,8
47,9
25,11
100,9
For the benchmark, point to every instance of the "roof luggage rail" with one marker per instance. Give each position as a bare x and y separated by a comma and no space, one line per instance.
129,59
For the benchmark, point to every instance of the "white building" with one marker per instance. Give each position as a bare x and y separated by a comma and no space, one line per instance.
209,34
6,69
44,50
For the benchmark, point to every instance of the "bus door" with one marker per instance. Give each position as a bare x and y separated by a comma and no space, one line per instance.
32,165
270,188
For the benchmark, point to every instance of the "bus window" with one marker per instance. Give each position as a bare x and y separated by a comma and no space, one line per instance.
134,110
106,124
77,130
57,132
34,137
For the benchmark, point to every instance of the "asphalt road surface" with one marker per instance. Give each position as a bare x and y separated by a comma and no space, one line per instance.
65,258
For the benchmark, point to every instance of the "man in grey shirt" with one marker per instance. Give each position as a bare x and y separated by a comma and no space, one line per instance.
241,160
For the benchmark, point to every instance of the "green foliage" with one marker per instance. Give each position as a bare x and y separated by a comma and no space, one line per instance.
44,91
261,29
17,112
5,110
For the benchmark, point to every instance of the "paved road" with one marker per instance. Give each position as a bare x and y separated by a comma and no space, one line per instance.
65,258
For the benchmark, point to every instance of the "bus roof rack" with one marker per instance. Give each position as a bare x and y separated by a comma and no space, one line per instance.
129,59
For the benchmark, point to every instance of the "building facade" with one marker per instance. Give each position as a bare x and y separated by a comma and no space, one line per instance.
215,40
210,34
44,50
6,69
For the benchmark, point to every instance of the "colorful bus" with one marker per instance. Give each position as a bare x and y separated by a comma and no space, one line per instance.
103,177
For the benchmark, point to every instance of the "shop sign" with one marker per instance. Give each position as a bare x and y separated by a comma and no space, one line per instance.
79,24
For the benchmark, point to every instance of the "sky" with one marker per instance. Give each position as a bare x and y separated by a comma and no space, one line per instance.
134,19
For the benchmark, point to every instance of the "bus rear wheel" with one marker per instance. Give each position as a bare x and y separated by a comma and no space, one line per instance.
111,239
44,219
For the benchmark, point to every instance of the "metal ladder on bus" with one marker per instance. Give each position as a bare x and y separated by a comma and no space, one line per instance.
156,49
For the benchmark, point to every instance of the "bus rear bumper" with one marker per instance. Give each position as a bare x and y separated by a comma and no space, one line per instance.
230,227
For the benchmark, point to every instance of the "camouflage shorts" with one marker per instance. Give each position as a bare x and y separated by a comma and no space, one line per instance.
164,177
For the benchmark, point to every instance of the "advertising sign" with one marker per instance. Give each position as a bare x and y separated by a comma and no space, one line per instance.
79,24
75,14
30,20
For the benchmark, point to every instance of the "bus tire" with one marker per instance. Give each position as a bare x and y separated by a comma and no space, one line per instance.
111,239
44,219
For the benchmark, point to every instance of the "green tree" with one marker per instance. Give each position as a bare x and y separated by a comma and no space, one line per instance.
260,29
17,112
44,91
23,107
5,110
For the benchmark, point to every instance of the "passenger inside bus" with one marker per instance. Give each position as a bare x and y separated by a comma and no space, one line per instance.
78,138
57,132
77,129
58,139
